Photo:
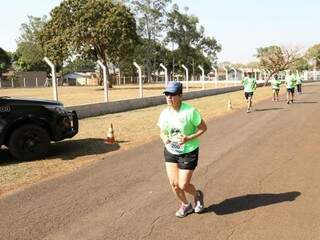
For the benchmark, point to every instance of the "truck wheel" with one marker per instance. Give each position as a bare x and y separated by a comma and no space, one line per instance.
29,142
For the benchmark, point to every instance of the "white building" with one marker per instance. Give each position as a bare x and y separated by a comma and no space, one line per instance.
81,78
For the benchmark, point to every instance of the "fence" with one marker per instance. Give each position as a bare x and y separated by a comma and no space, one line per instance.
31,80
311,75
27,83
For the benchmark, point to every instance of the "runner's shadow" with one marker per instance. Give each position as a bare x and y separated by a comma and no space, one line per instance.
300,102
250,201
267,109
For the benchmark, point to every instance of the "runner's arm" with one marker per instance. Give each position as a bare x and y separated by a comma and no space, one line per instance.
164,137
202,127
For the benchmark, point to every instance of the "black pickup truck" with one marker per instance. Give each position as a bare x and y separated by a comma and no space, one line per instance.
27,126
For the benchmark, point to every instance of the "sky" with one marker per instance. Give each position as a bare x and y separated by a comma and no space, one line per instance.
240,26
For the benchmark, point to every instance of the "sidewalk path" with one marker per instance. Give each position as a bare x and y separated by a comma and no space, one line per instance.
260,173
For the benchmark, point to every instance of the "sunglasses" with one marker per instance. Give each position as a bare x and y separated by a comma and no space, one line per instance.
171,94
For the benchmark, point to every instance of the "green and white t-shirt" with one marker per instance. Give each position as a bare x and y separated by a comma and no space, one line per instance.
177,123
250,84
275,83
291,81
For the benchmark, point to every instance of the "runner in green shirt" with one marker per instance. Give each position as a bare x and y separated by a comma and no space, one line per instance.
290,80
250,84
299,83
180,126
275,84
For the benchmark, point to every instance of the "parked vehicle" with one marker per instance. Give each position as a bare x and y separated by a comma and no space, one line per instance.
27,126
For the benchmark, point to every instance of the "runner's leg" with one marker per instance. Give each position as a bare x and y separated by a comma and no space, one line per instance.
184,181
173,175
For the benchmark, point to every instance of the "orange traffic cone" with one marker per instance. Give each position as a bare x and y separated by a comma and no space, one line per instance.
110,135
229,104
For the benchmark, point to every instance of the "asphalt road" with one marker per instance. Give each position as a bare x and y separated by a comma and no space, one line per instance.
259,173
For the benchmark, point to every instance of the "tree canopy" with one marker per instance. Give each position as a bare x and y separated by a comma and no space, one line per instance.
5,61
150,15
79,65
194,47
106,30
313,55
275,58
98,29
29,54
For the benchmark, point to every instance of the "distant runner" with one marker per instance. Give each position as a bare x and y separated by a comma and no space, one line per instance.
291,84
250,85
299,83
275,84
180,126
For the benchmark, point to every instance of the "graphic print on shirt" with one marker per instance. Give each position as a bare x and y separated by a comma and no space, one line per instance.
174,137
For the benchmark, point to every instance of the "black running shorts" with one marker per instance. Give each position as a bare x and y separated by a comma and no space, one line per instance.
248,94
187,161
290,90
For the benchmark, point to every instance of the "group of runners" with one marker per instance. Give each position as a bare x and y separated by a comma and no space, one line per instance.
180,126
291,80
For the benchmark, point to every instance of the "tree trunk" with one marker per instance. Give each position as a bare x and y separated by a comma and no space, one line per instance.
149,70
268,78
109,82
109,79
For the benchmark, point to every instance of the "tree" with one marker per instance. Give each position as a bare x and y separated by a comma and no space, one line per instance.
79,65
55,37
5,61
276,59
313,54
29,54
193,47
151,16
301,64
94,29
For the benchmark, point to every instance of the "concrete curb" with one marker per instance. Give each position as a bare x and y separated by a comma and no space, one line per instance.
97,109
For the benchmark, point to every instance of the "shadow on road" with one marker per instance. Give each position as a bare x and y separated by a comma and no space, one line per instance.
312,85
267,109
301,102
306,93
68,150
250,201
